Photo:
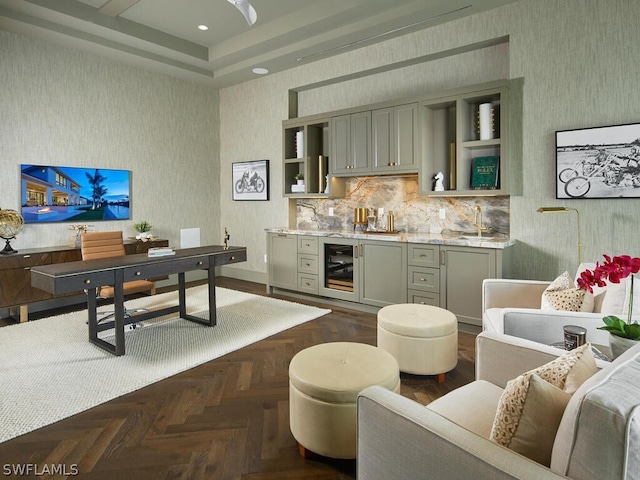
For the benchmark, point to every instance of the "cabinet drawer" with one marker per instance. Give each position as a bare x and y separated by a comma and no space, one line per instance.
308,264
424,255
22,261
308,283
424,279
308,245
424,298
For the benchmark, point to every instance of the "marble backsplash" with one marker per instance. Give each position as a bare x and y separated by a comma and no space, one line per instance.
413,213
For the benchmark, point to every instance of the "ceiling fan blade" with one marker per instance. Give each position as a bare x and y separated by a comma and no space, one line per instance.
246,9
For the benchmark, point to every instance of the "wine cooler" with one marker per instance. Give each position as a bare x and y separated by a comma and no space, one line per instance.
339,269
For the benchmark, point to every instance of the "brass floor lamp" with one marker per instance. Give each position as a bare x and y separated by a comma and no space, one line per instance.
564,210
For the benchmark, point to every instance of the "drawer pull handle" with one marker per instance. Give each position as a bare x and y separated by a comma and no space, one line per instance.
233,258
138,274
308,264
422,280
26,256
199,263
87,281
27,268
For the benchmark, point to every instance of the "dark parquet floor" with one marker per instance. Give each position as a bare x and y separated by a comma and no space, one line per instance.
226,419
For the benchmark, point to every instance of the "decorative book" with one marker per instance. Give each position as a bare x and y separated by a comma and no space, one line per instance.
484,172
160,251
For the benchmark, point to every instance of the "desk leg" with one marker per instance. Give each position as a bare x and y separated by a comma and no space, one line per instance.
118,303
212,299
92,312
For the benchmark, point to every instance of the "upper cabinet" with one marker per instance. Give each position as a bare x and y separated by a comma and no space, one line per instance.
465,138
471,135
395,139
351,144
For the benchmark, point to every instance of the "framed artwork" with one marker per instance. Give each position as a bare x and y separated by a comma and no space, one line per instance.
599,162
251,180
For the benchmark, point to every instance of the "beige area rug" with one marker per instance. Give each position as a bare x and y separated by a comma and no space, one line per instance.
50,371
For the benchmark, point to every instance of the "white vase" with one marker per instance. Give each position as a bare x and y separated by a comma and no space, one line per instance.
619,345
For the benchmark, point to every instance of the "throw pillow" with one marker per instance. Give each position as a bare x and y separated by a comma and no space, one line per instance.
562,294
532,405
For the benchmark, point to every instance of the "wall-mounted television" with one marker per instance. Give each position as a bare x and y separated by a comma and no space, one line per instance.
73,194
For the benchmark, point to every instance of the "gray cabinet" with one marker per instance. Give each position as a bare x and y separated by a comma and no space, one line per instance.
351,144
462,273
383,273
308,265
282,260
395,139
423,274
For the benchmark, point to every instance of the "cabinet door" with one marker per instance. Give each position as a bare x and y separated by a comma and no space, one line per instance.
360,142
462,274
283,261
340,144
383,273
382,134
405,135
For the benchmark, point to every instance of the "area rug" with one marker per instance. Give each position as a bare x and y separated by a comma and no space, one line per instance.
50,371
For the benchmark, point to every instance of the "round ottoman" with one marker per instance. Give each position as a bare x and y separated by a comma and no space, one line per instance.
324,382
422,338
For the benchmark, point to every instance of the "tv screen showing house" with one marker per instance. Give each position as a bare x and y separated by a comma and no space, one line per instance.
72,194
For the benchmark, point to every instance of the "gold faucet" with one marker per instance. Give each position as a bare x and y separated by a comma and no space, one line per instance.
477,220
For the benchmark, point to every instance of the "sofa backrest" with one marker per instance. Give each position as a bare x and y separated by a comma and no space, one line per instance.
599,435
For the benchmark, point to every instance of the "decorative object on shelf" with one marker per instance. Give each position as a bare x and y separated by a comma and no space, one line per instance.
250,180
607,158
564,210
300,144
11,224
484,173
143,228
79,229
227,237
622,334
574,336
439,187
299,178
486,121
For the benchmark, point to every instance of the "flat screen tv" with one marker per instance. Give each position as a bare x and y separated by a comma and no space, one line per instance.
72,194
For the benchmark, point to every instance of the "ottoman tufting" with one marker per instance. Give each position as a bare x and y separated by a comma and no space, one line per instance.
422,338
324,381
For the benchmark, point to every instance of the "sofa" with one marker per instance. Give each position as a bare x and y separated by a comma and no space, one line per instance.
598,437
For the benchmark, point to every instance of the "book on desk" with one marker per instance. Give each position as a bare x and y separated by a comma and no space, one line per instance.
160,251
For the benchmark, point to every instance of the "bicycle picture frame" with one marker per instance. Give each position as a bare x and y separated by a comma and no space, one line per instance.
250,180
598,162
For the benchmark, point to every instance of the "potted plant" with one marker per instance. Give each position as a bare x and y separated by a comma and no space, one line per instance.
622,334
299,178
143,228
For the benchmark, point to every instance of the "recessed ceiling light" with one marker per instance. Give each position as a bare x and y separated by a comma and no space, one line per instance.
203,27
260,71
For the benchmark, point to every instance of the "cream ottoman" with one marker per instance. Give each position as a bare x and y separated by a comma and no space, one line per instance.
324,381
422,338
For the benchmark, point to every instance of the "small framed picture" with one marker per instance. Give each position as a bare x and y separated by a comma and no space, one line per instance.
599,162
251,180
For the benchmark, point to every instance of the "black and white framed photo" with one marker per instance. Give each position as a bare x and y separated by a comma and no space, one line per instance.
599,162
251,180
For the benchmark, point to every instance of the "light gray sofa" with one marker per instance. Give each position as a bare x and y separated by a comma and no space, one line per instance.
598,437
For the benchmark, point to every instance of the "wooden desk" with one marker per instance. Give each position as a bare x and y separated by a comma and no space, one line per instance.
15,275
90,274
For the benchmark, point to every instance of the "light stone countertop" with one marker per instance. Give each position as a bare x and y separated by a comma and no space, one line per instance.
490,240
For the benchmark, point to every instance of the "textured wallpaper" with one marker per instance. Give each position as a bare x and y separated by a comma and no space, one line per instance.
63,107
577,59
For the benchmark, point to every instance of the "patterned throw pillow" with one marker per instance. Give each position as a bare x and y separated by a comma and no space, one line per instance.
532,405
562,294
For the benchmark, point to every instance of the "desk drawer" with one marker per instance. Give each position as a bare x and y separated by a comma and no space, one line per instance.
308,245
308,283
72,283
229,257
22,261
160,268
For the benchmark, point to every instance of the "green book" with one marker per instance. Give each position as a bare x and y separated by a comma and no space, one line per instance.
484,172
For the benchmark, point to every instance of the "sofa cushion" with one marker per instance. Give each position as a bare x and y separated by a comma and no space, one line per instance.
562,294
602,421
472,406
529,411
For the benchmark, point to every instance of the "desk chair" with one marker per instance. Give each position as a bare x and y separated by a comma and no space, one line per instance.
110,244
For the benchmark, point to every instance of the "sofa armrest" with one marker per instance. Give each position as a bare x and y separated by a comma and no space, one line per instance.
401,439
500,358
503,292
